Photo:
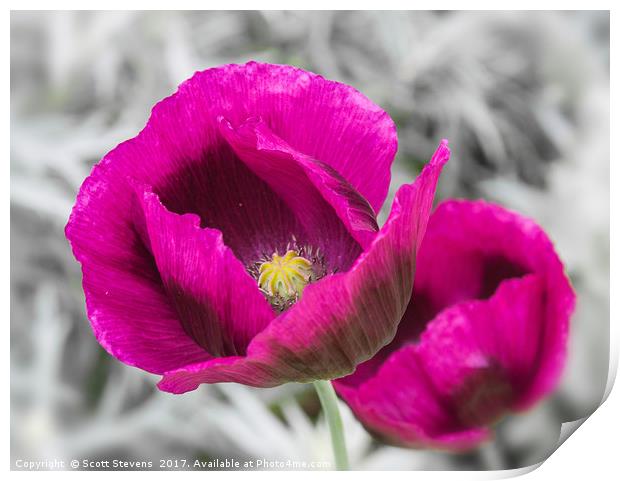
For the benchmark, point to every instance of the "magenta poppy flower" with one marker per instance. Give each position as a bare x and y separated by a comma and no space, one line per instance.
485,332
235,238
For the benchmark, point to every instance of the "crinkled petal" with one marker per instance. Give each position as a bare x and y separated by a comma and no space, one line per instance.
320,197
325,120
402,406
482,356
494,304
341,320
218,303
229,197
506,337
475,361
130,313
469,249
472,246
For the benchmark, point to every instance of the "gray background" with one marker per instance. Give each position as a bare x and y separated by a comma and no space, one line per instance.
522,96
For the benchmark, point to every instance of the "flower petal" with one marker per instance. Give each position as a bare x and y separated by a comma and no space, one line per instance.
326,120
321,198
219,304
507,336
229,197
482,355
473,246
401,405
469,249
475,361
127,306
341,320
492,294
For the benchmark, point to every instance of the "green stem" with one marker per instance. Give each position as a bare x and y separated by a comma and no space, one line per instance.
329,403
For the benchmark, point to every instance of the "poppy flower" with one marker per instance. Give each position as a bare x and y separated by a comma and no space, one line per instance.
484,334
234,239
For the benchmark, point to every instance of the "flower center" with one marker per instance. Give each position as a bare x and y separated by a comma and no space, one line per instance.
282,279
285,276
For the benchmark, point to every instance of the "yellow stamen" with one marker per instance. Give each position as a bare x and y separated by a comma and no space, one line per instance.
285,276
